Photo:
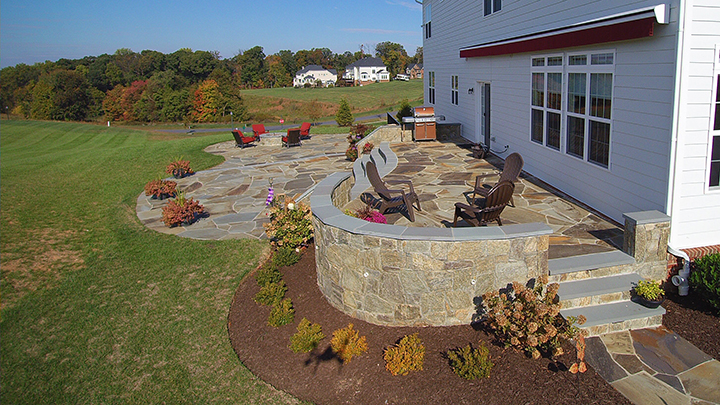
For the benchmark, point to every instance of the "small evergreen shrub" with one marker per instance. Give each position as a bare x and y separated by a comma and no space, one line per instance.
268,274
307,338
282,313
404,111
470,363
271,294
705,278
347,342
529,319
344,116
285,256
406,356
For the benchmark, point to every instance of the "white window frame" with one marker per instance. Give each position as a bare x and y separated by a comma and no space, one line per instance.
454,93
431,87
427,25
566,69
714,121
491,7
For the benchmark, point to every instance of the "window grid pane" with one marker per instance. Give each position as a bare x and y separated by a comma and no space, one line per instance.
555,61
576,93
575,136
600,94
553,130
601,59
716,126
599,143
715,162
497,5
538,89
577,60
538,62
488,7
554,90
537,126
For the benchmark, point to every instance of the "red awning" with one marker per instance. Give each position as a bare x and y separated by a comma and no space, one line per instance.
632,25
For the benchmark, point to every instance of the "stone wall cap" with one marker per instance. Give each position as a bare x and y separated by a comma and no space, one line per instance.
646,217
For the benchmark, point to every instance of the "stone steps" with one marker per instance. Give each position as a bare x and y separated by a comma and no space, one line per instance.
597,286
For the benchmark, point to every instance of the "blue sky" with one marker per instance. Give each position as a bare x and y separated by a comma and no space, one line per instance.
34,31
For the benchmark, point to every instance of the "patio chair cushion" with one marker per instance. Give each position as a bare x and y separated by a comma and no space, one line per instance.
242,140
259,129
305,130
292,138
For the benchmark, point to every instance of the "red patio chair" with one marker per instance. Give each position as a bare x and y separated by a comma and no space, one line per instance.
242,140
305,130
259,129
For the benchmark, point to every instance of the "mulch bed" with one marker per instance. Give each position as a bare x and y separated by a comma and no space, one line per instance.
322,378
693,319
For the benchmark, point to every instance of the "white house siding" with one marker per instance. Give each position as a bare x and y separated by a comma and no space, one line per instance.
695,209
643,82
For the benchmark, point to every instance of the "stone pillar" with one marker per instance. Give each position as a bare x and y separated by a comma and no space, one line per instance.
646,239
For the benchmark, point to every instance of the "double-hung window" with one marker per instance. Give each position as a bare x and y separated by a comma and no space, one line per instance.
431,87
714,167
428,25
454,89
571,104
492,6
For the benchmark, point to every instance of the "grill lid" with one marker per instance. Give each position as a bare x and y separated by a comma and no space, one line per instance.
424,111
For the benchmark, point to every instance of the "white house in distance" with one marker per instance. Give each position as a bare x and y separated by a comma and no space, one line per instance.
615,102
367,70
312,73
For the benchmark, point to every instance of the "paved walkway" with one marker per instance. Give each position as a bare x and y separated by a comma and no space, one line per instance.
655,366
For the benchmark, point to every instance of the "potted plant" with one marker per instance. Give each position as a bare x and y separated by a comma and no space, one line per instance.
160,189
182,211
649,293
179,168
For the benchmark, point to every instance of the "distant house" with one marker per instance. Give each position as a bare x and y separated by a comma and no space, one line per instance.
616,103
312,73
415,70
367,70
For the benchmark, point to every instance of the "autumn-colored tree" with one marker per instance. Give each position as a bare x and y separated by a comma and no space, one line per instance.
205,102
112,104
131,95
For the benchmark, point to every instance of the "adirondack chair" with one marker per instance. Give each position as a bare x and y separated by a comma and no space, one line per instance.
242,140
259,129
305,130
292,138
480,214
511,172
386,195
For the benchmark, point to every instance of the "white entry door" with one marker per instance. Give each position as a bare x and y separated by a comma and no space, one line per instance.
482,113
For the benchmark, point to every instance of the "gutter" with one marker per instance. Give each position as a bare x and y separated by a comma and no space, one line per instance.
681,279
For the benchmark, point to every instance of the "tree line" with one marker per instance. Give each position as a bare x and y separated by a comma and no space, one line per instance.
149,86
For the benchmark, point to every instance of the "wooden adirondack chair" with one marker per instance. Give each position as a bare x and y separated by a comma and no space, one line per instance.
479,215
511,171
388,200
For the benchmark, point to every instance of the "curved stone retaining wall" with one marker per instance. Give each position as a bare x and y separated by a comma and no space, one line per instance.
408,276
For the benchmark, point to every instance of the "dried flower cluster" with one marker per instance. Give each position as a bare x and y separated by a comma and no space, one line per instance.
529,318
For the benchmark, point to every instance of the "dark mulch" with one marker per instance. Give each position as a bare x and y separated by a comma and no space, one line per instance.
695,320
321,378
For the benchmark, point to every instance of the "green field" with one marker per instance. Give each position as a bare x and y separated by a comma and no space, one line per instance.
95,307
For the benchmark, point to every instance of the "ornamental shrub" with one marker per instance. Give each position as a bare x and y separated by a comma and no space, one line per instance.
404,111
351,153
649,290
271,294
290,225
406,356
529,318
285,256
344,116
282,313
181,211
347,342
307,337
705,278
371,215
179,168
161,189
470,363
268,274
367,148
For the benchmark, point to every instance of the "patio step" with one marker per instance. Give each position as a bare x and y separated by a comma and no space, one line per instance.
598,286
616,316
596,291
590,266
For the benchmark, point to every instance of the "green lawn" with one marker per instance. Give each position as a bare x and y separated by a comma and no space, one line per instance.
95,307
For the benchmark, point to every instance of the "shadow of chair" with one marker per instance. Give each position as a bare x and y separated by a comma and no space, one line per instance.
242,140
389,197
292,138
511,171
497,199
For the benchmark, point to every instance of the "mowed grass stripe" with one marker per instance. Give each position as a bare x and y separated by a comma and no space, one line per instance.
137,316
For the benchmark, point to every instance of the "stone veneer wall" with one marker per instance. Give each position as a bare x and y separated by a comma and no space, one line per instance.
407,276
646,239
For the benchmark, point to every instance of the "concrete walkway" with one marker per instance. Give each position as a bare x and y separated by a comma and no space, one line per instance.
655,366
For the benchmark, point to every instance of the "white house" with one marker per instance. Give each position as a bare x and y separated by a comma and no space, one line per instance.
312,73
367,70
615,102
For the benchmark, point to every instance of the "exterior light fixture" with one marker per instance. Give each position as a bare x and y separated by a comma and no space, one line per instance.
471,90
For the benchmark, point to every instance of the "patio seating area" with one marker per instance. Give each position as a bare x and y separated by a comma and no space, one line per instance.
443,173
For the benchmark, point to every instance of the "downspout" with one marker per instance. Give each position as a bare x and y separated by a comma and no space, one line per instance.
680,280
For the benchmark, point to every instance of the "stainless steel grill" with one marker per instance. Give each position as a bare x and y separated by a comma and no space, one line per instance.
425,123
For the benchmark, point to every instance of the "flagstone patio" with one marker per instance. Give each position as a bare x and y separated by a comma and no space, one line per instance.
442,172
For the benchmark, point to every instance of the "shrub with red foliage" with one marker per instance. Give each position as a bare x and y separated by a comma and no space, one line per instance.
179,168
181,211
161,189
